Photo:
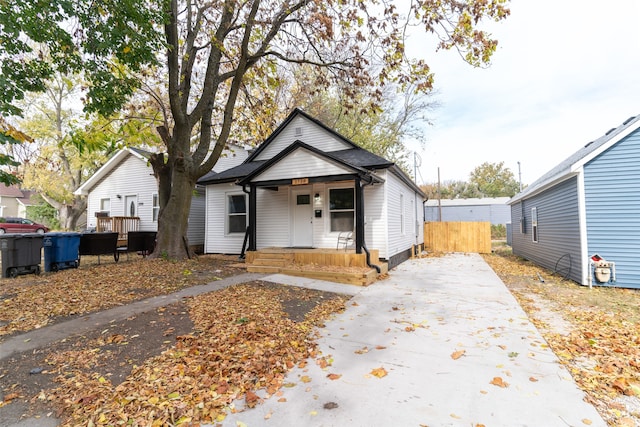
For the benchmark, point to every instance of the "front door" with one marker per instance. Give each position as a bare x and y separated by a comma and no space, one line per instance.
130,205
302,227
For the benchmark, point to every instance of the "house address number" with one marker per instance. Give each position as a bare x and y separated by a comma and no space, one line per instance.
299,181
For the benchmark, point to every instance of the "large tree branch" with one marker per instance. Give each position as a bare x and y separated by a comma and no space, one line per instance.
211,80
189,57
241,69
171,34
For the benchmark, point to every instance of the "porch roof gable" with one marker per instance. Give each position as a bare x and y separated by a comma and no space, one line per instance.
288,164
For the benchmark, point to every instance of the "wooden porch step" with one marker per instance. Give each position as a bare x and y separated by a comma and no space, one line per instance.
274,262
251,268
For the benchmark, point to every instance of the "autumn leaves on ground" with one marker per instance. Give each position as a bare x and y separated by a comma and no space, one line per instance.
244,338
594,332
213,349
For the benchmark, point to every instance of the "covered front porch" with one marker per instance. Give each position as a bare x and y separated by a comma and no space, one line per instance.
336,265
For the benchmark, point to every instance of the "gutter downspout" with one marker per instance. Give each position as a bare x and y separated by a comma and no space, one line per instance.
364,245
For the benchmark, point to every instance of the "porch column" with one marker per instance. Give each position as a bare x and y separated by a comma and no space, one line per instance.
359,216
252,217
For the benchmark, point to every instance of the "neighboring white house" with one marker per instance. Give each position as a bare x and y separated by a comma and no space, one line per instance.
125,186
490,209
303,186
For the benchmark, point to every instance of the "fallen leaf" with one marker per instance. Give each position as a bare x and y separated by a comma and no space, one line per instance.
380,347
334,377
305,379
251,398
497,381
282,399
379,372
533,379
11,396
457,354
455,416
586,421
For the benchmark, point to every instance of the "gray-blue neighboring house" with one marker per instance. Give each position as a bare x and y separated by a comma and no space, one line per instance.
587,205
490,209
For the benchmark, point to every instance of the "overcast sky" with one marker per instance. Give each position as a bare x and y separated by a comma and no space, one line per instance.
565,72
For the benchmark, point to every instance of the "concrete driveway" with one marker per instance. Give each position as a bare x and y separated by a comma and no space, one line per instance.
441,342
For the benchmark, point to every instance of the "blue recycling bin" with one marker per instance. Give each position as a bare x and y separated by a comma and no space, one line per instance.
21,254
61,251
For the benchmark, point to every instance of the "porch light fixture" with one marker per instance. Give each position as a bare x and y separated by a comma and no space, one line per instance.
118,196
317,198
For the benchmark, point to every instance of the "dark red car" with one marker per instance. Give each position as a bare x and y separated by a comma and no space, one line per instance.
21,225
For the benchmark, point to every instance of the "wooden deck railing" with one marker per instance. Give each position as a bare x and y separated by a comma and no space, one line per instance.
119,224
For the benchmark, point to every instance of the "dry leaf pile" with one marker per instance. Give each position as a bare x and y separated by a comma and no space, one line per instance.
243,341
31,302
602,349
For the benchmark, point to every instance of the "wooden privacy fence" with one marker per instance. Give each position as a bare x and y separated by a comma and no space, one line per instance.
458,236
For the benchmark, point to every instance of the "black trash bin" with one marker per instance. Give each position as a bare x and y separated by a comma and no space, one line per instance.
61,250
21,254
141,241
99,244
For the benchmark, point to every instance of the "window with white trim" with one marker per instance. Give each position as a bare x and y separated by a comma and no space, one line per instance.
105,206
342,209
155,208
236,213
534,224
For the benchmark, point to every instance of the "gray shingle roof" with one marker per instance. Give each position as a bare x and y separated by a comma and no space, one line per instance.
564,168
231,175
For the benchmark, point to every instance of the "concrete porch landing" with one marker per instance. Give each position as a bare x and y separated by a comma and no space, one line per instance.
336,265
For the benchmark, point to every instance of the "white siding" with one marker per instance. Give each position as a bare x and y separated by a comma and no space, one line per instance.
301,164
311,134
399,241
131,177
272,219
195,232
216,238
375,213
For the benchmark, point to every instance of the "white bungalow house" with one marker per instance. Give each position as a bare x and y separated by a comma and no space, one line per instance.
124,187
306,184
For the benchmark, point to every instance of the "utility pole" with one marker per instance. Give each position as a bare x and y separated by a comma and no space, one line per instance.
519,176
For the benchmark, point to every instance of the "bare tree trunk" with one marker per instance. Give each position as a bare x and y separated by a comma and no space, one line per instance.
173,219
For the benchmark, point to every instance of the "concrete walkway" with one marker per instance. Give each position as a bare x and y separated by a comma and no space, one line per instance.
408,327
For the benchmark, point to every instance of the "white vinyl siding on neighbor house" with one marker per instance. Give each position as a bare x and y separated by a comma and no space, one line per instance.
195,230
131,177
310,133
